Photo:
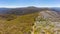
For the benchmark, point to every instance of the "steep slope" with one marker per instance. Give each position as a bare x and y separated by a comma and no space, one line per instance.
47,23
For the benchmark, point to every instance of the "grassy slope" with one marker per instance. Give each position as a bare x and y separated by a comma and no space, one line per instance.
22,24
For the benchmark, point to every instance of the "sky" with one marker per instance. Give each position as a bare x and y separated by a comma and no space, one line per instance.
25,3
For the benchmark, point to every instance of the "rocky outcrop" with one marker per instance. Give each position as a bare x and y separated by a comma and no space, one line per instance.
47,23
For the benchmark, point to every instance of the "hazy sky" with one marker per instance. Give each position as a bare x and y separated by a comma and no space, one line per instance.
23,3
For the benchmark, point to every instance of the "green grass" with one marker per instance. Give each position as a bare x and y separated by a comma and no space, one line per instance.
20,25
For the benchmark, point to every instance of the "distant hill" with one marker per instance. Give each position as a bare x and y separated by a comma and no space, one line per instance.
25,10
4,10
22,11
7,12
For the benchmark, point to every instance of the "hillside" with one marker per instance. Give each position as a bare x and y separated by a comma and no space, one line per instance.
50,15
47,22
20,25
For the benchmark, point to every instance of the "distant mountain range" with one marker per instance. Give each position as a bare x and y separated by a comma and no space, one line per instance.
4,10
53,13
25,10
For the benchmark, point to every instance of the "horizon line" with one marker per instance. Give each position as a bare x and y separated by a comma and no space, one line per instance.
26,6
